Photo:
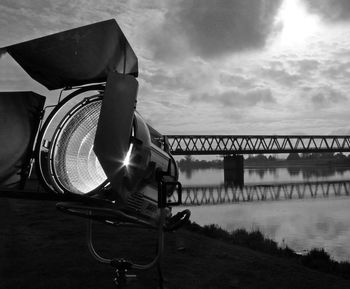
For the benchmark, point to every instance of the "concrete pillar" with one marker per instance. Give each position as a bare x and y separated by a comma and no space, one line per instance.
234,170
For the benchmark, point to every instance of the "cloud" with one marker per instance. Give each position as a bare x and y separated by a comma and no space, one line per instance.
214,28
337,70
235,80
330,10
235,99
25,20
341,131
325,97
279,73
189,76
207,66
305,66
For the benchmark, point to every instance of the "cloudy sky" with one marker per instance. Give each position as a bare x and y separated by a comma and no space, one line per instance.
213,67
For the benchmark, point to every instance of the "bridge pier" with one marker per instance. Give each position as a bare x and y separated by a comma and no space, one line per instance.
234,170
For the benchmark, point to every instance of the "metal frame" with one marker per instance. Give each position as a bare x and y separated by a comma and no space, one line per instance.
121,265
110,215
256,144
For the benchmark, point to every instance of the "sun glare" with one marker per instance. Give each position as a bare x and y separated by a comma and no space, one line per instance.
297,24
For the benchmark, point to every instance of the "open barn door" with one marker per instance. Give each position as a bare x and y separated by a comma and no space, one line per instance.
19,121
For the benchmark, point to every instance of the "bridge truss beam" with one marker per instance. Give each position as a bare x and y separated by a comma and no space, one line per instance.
256,144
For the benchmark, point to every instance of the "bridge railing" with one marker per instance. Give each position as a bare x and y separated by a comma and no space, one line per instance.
256,144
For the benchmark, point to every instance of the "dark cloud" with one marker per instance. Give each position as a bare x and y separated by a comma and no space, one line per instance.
235,80
234,99
181,79
331,10
279,73
306,88
341,131
171,80
305,65
341,52
325,97
337,70
214,28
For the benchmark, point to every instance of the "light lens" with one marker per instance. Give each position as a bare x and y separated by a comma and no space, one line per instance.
75,164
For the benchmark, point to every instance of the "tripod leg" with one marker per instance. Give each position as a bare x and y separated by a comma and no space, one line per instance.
160,249
160,276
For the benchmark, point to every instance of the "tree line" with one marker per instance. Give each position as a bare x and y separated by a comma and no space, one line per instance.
189,162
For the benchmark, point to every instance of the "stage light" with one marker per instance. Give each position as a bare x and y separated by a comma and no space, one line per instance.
94,140
94,150
74,158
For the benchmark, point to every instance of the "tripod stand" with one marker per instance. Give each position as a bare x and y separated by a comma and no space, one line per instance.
121,219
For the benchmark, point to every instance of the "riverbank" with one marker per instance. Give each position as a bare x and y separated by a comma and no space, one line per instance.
315,259
43,248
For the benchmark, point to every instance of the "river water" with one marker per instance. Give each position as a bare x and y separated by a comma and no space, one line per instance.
318,218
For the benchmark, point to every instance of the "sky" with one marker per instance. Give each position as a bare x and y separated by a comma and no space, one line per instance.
213,67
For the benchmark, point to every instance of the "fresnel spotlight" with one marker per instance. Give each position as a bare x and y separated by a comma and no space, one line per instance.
94,149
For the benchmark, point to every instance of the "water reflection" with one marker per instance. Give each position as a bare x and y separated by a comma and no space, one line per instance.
266,175
303,220
294,171
223,194
187,172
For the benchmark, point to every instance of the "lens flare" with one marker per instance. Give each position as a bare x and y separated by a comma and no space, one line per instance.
126,161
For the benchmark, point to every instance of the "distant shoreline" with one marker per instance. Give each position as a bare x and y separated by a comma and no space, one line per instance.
264,162
297,163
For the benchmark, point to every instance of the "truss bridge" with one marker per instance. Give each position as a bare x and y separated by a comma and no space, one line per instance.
256,144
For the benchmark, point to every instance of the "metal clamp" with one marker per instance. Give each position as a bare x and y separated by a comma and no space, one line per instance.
163,196
121,277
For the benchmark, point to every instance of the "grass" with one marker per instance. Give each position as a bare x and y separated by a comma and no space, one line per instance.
43,248
316,259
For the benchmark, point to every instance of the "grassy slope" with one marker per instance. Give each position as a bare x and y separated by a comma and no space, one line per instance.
43,248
